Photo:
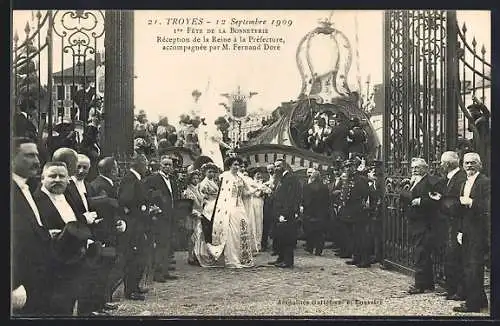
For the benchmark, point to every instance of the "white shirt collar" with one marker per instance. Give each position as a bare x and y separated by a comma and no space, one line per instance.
135,173
285,173
21,182
53,196
25,114
76,180
452,173
164,175
473,177
108,179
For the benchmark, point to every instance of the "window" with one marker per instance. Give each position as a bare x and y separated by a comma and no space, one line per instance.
60,92
67,92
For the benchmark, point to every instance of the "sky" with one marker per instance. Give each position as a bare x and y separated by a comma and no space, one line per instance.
165,79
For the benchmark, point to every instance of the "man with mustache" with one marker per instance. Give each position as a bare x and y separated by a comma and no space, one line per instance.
475,204
162,190
448,196
30,237
112,227
421,210
287,195
315,210
56,212
132,198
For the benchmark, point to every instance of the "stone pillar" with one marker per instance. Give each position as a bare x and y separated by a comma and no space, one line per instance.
119,83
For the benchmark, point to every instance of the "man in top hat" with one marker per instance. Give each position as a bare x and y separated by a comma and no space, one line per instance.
421,209
162,191
56,213
287,196
475,204
30,237
132,197
314,207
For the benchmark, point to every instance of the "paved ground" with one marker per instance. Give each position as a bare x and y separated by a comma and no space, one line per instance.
323,286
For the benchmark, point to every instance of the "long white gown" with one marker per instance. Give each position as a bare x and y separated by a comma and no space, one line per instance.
209,189
231,240
209,137
254,206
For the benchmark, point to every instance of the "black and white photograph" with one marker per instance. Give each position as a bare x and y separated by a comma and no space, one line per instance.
250,163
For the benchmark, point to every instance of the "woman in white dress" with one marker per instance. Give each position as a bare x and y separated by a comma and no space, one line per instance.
210,140
257,206
208,188
195,247
254,204
231,241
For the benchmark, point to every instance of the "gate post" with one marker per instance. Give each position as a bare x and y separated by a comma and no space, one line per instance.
452,86
119,83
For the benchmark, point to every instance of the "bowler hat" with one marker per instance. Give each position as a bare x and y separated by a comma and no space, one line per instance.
69,245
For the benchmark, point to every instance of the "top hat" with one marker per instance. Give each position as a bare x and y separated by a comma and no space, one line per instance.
69,245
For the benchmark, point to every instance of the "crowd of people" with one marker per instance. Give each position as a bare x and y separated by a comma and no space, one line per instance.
75,240
335,135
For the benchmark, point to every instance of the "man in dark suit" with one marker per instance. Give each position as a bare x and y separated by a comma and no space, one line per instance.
375,199
56,212
475,204
449,193
132,197
268,220
162,191
286,200
420,210
336,141
315,212
352,200
104,185
76,193
30,237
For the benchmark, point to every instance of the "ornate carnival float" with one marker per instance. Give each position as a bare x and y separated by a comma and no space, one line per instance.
326,123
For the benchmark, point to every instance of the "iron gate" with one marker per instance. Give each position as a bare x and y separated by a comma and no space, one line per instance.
427,88
58,88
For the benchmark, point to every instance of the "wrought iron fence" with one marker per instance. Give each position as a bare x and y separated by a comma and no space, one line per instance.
69,93
29,94
425,107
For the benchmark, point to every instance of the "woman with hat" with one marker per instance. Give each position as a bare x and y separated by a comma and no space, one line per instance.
230,235
194,220
209,188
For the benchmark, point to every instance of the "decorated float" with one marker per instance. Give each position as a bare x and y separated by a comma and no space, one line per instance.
305,132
